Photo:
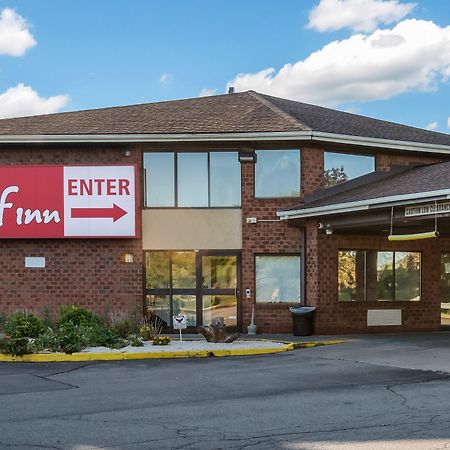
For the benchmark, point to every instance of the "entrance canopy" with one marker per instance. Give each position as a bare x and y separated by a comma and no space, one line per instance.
413,199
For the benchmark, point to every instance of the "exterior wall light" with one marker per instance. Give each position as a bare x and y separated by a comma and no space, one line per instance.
128,258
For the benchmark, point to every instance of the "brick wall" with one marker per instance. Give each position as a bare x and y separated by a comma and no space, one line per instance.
87,272
351,317
384,161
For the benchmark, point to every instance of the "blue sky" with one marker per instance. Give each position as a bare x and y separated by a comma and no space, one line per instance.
70,55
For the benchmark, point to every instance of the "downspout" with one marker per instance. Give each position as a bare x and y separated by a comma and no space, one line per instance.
303,270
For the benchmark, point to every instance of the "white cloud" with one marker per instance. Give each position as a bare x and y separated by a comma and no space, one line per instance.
24,101
448,122
165,79
15,37
359,15
431,126
206,92
414,55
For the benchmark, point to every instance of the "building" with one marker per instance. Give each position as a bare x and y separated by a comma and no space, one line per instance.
207,206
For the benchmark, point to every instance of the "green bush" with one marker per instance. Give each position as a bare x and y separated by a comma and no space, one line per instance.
100,335
124,328
15,346
78,316
48,340
70,338
23,324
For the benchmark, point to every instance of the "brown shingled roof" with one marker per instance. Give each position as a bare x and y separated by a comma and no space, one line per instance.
244,112
421,179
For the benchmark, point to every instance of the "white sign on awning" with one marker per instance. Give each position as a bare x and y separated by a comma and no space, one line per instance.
423,210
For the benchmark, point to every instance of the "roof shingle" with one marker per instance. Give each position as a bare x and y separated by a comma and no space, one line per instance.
244,112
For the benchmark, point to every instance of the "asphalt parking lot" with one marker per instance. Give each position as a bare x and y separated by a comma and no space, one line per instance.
319,398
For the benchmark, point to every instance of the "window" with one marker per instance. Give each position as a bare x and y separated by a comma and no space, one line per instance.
159,176
277,279
378,276
277,173
341,167
194,180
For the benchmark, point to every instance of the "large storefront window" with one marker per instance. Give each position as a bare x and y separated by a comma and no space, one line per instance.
277,173
378,276
341,167
277,279
192,180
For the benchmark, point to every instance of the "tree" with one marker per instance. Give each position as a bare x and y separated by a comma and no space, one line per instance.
335,176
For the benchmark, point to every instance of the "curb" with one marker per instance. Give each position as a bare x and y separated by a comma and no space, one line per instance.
75,357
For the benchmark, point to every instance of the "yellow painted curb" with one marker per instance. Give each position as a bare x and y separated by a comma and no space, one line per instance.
316,343
74,357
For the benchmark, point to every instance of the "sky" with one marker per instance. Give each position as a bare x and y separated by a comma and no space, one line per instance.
388,59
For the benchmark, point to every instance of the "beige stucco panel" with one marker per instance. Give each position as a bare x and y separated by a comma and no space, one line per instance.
185,229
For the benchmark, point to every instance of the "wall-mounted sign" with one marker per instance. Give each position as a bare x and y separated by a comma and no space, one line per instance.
423,210
68,201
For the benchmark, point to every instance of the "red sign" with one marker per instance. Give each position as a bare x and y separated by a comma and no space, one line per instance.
67,201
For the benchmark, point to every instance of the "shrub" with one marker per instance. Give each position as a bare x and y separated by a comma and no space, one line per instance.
161,340
70,338
15,346
48,340
136,341
150,329
100,335
78,316
23,324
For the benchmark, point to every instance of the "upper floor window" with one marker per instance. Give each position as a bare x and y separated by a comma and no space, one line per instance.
200,179
277,173
341,167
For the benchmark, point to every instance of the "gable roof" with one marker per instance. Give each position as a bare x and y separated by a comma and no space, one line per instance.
246,112
400,187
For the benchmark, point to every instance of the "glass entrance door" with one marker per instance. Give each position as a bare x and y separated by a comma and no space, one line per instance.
219,288
200,285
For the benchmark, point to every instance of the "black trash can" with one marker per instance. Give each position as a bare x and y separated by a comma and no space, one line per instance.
303,320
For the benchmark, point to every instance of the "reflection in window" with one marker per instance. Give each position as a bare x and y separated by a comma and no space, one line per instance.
277,279
193,179
183,270
277,173
378,276
219,272
186,305
158,306
157,270
341,167
160,185
445,289
202,179
225,175
220,306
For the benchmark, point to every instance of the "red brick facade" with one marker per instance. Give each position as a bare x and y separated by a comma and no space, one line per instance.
87,272
92,272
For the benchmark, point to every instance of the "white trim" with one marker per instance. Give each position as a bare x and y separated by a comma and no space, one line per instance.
136,138
378,142
359,205
225,137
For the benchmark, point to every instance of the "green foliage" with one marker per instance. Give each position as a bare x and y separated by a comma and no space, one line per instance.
136,341
161,340
15,346
70,338
125,328
78,316
48,340
23,324
46,317
3,318
149,330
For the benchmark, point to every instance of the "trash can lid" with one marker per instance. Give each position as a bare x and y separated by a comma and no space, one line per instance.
302,310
